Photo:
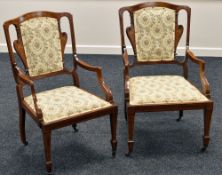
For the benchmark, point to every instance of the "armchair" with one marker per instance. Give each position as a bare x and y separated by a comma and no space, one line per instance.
154,34
40,44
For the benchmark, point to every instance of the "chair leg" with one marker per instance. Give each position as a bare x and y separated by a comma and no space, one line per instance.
131,118
22,125
46,134
75,127
113,125
180,115
207,123
125,109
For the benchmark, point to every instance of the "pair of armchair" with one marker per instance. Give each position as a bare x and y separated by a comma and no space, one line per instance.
154,34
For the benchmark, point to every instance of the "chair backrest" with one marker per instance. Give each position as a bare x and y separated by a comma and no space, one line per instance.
42,45
154,32
40,42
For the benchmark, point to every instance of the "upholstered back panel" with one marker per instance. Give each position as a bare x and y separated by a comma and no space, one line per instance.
41,40
154,34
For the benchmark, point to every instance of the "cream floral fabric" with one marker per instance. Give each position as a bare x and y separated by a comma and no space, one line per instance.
65,102
42,45
154,34
163,89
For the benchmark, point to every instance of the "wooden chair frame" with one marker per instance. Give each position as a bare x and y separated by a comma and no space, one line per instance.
130,110
22,78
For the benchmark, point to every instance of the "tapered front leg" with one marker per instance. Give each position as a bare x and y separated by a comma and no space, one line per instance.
131,118
125,109
207,122
113,125
47,147
22,125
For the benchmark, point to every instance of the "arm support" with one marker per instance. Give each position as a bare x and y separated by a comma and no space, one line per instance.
98,71
25,80
126,69
203,79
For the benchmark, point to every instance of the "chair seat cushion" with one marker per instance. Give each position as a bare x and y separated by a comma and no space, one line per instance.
64,102
145,90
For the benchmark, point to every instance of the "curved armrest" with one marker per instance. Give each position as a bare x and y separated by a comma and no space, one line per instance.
23,78
98,71
26,80
203,79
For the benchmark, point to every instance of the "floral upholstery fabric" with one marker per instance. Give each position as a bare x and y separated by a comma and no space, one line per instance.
163,89
154,34
64,102
42,45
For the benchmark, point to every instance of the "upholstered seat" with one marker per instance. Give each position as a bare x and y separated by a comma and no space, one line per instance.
163,89
61,103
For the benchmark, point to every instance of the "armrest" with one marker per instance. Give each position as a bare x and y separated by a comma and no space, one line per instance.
98,71
203,79
26,80
23,78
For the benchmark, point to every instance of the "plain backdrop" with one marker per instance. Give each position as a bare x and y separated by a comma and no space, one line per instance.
97,23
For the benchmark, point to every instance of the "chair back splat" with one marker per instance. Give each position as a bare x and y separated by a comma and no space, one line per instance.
154,32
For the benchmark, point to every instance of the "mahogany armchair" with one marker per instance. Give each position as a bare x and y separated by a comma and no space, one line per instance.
154,34
40,44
